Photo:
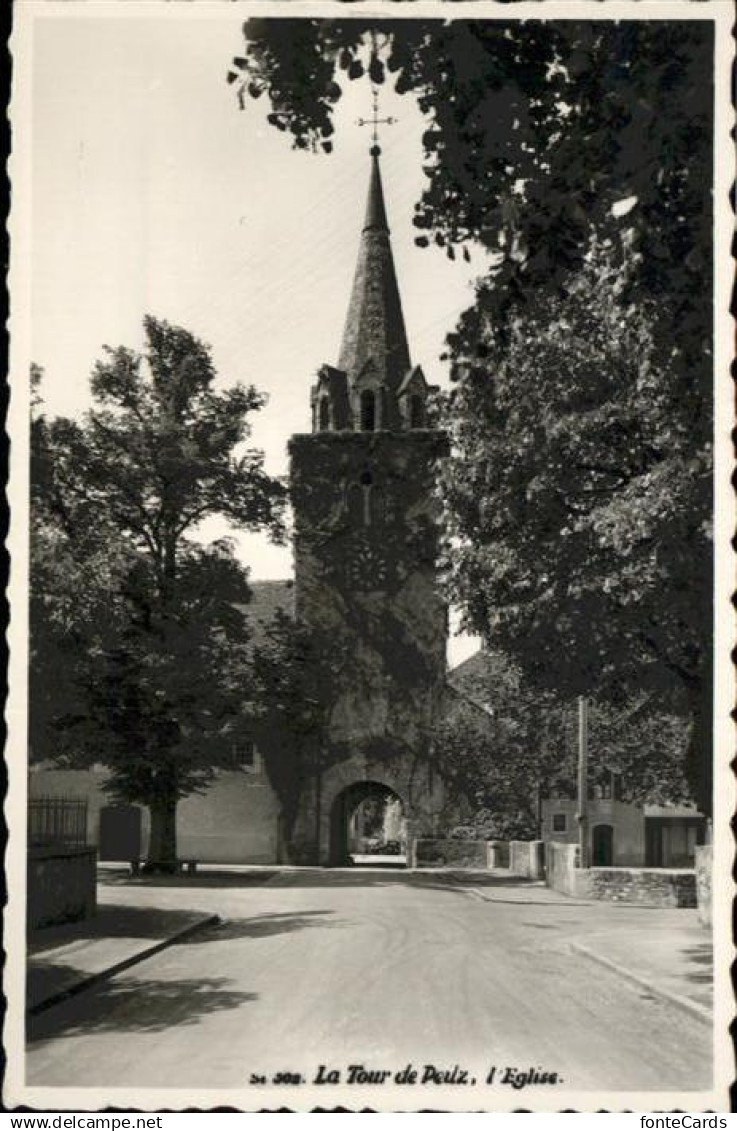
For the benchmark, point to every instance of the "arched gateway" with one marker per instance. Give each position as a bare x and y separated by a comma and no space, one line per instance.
328,828
366,545
367,823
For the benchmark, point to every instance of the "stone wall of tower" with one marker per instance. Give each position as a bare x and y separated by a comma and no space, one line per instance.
366,548
366,544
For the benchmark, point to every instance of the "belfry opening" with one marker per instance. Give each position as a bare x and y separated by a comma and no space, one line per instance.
368,827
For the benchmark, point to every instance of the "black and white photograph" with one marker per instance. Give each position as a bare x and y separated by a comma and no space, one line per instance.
369,728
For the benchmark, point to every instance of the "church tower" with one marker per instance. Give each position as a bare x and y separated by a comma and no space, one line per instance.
366,548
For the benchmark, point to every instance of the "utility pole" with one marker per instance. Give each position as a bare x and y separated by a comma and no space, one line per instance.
583,781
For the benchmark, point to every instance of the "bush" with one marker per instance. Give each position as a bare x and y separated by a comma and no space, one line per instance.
487,825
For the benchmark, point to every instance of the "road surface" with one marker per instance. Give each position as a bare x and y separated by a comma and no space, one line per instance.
372,968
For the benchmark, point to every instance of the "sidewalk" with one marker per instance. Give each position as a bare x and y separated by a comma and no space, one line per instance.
135,919
671,958
665,951
64,960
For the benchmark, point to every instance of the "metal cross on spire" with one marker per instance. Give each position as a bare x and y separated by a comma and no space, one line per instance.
375,121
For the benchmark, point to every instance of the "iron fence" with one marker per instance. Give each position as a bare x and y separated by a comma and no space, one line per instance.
57,821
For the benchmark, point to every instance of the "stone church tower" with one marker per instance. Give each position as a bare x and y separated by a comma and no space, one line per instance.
366,546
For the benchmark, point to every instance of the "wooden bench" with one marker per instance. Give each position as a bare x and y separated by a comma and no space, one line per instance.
187,865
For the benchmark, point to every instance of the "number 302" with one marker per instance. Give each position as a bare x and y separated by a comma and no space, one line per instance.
287,1078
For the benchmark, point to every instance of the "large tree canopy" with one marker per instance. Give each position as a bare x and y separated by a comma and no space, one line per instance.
139,645
579,501
579,491
535,130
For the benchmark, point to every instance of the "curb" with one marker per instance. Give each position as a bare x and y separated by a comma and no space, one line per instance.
534,885
118,967
699,1011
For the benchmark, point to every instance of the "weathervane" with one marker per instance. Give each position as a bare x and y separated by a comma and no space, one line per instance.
375,121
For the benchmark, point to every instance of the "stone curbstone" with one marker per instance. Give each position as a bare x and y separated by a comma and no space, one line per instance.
699,1011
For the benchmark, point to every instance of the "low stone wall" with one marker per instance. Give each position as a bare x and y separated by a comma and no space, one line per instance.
449,853
651,887
527,858
561,869
703,867
61,885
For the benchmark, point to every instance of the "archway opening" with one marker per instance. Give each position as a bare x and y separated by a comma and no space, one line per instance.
368,827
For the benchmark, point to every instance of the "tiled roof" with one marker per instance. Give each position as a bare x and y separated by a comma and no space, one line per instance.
411,376
477,676
266,598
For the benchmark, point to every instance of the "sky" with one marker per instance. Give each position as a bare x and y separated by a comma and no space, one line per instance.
153,193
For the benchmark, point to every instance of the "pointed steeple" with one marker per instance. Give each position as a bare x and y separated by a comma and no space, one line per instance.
374,337
375,207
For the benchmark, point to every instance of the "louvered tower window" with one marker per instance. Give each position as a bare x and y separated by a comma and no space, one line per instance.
368,411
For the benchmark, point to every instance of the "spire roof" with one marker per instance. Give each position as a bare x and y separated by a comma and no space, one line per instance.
374,335
375,207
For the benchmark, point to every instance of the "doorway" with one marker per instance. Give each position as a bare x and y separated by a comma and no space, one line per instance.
368,827
120,832
602,846
670,842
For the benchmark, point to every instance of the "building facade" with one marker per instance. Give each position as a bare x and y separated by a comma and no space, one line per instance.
622,834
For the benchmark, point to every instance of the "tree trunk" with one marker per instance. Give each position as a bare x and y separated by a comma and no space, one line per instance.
700,756
162,850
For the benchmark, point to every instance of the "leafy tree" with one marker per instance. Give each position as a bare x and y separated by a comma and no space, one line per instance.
504,746
287,718
294,686
579,495
141,623
494,777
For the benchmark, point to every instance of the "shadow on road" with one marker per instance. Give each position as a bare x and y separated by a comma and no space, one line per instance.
494,880
113,920
260,926
214,878
360,875
47,976
702,957
137,1005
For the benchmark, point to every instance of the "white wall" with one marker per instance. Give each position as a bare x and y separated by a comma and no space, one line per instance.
234,822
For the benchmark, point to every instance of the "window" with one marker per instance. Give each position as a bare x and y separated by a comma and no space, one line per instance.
559,822
416,412
609,788
368,411
324,415
243,755
355,505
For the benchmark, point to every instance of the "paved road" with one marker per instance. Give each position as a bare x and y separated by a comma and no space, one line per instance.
370,967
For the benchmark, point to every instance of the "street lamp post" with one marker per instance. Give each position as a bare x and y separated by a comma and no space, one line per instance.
583,784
